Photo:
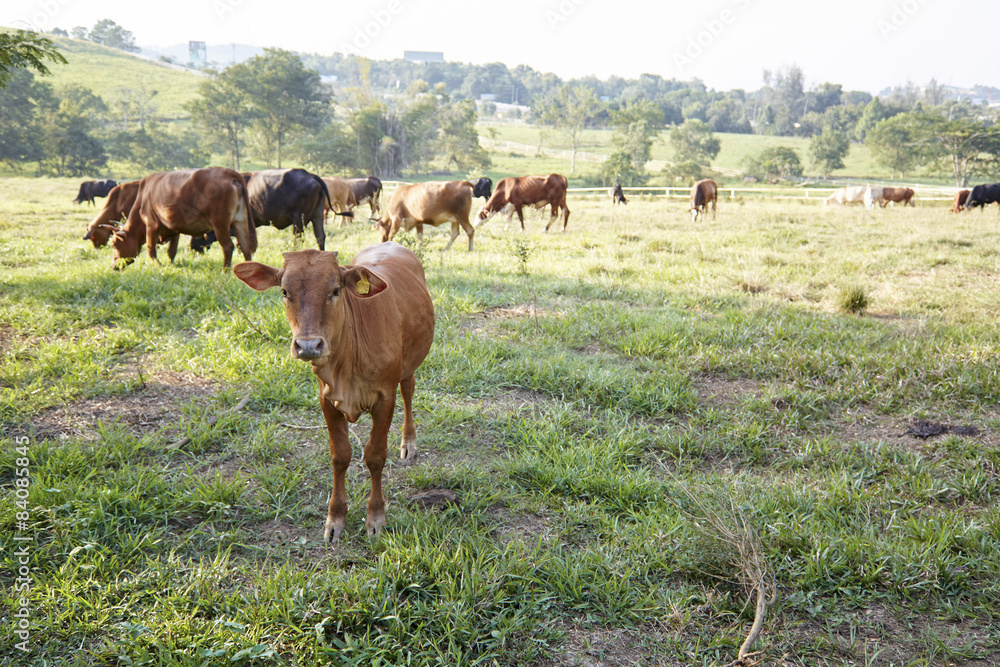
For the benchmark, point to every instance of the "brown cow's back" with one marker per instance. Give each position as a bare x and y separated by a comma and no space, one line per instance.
192,202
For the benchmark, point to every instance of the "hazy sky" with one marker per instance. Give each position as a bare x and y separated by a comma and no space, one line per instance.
861,44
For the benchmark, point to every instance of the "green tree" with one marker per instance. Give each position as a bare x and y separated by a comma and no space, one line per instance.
223,110
570,111
459,139
778,163
693,141
69,139
109,33
285,96
330,150
828,150
964,147
23,49
22,105
637,124
897,143
871,115
153,148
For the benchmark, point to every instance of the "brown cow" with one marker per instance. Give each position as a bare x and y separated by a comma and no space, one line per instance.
366,328
958,204
515,192
703,193
189,201
897,195
431,203
116,208
342,200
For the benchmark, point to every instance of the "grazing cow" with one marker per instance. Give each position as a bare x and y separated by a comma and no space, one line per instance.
853,194
958,204
872,196
115,211
367,189
702,194
91,189
190,201
341,198
482,187
981,195
289,197
431,203
515,192
898,195
365,328
617,195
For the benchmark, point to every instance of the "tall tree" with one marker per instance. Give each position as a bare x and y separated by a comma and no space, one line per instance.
22,105
69,137
459,140
965,147
637,124
223,110
23,49
570,111
897,143
828,150
694,142
286,96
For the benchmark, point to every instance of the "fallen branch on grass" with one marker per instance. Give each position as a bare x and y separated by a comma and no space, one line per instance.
718,518
212,421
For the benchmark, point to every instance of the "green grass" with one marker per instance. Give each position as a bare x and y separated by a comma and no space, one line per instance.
579,387
104,70
732,154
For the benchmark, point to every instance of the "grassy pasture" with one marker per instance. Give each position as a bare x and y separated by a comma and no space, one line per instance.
581,388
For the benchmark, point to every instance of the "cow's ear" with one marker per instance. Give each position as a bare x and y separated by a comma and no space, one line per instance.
361,281
258,276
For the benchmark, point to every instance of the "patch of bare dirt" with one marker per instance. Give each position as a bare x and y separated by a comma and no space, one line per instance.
155,405
478,322
726,392
602,647
434,499
523,527
878,631
283,533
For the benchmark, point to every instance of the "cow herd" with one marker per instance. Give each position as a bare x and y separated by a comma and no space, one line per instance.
365,326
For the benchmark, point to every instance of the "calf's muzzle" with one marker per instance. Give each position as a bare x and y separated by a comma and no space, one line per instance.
308,348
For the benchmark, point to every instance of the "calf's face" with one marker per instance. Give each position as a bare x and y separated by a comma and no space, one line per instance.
316,291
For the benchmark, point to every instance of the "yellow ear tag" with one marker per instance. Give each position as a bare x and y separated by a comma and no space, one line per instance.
363,285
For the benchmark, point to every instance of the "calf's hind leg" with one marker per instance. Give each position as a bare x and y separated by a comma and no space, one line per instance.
408,448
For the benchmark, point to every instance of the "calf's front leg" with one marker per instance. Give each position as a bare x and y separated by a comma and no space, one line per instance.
340,458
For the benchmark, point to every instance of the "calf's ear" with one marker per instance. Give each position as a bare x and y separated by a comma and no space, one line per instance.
258,276
361,281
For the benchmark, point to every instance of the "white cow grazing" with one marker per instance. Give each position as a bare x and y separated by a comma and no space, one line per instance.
873,195
850,195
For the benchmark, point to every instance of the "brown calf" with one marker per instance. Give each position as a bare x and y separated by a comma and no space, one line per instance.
365,328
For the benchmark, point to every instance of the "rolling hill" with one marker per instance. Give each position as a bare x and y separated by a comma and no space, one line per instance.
102,70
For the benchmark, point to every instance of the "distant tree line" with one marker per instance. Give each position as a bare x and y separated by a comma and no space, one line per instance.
270,110
393,117
105,32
